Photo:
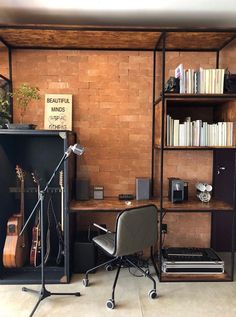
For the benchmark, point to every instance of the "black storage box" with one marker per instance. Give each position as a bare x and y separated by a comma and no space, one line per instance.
84,252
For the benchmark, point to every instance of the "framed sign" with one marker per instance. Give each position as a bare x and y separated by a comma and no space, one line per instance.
58,112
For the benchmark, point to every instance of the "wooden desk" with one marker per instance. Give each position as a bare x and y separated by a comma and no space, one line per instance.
108,204
114,204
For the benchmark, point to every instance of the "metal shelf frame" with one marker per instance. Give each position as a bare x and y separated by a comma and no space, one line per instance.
160,101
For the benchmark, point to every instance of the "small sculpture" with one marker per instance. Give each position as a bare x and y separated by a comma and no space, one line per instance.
204,192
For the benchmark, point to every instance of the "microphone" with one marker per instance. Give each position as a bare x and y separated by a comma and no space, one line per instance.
76,148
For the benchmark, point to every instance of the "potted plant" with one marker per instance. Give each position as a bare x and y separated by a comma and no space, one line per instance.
4,109
23,95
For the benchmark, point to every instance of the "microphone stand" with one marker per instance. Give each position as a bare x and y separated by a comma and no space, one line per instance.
44,293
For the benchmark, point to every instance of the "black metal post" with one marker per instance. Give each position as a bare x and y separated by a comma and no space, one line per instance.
162,150
233,225
153,121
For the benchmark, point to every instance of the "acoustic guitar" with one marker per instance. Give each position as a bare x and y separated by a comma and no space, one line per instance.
15,250
35,251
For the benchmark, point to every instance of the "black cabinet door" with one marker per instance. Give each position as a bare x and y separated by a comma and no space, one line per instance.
224,189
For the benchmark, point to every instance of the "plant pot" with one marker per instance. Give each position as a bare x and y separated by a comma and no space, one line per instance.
20,126
4,120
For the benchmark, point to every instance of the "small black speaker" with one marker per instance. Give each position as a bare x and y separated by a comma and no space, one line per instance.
82,189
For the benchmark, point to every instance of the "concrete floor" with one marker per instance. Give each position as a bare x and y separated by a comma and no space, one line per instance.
175,299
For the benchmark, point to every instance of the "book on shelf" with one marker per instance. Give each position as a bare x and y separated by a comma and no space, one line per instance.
198,133
202,81
176,133
179,73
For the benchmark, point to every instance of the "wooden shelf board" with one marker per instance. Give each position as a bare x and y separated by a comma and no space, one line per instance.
113,204
189,148
197,97
194,204
165,277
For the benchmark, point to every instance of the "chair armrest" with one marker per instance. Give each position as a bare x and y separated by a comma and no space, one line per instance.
100,227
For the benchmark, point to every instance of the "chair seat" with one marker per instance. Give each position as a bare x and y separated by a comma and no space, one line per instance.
106,242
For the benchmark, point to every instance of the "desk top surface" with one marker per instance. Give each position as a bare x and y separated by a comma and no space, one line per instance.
107,204
115,205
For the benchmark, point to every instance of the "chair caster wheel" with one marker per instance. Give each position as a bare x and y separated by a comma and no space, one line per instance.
85,282
110,304
109,267
152,294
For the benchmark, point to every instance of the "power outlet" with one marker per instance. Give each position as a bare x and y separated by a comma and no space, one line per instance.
164,228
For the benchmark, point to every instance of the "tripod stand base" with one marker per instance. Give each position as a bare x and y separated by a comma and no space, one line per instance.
44,293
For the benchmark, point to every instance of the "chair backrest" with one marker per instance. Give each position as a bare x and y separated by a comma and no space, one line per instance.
136,229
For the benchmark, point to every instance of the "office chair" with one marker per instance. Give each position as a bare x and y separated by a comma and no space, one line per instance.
136,230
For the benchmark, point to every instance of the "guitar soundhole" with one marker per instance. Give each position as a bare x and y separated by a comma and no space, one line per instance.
12,228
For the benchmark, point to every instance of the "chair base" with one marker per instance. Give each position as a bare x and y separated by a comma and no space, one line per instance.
122,261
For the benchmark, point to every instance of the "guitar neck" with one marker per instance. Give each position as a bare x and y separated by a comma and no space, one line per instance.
62,208
22,200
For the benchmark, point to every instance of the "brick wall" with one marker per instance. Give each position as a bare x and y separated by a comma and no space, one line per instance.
112,113
112,95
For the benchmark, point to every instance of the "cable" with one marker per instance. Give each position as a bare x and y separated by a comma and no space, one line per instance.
163,239
139,261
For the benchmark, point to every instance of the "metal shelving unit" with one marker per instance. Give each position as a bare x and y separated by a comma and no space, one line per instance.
217,204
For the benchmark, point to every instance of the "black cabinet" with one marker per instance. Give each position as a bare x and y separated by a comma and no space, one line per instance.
36,151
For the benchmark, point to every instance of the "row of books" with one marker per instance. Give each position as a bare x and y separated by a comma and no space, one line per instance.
202,81
198,133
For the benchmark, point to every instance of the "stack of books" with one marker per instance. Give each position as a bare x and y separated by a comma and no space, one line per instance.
202,81
198,133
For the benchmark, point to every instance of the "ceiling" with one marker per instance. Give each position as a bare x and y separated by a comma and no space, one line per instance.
148,13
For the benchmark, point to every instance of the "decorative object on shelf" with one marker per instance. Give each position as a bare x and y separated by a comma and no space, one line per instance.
204,192
58,112
98,192
229,82
172,85
5,115
23,95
